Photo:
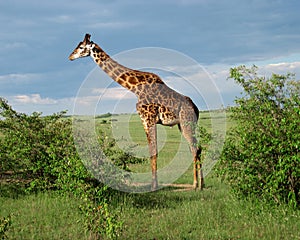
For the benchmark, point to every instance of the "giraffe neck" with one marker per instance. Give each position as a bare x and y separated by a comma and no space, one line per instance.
110,66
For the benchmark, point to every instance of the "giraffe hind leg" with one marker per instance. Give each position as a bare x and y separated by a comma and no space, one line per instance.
188,131
199,170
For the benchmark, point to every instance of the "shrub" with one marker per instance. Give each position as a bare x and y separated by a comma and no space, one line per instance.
99,219
119,157
261,155
40,152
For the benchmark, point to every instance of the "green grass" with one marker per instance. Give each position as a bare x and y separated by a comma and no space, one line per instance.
43,216
210,214
166,214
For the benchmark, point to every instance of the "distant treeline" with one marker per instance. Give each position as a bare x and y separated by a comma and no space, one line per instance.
106,115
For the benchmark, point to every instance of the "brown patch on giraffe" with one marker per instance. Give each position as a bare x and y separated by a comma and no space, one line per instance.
118,72
132,80
157,79
141,78
121,81
127,85
109,67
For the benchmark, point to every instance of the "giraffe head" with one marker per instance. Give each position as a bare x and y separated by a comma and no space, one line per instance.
83,49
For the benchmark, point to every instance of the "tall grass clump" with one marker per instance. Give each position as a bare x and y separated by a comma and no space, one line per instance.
5,223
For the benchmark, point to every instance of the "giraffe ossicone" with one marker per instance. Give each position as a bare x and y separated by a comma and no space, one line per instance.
156,104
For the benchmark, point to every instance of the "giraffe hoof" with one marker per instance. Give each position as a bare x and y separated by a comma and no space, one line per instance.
154,187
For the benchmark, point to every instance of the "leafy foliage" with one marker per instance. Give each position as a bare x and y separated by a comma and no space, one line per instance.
5,223
119,157
261,155
40,153
40,150
100,220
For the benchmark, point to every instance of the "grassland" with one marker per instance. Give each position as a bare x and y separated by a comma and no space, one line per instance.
211,214
170,213
166,214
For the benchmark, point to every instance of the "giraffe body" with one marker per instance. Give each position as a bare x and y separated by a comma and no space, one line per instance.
157,104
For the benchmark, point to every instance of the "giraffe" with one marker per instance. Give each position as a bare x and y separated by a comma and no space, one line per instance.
157,104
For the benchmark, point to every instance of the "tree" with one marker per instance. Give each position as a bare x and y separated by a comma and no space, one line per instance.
261,155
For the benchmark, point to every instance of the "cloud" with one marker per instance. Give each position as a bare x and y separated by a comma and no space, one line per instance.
14,77
102,97
116,93
86,101
13,46
33,99
112,25
62,19
283,67
189,2
35,103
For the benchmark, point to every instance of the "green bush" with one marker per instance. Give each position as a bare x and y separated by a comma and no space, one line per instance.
261,155
39,151
119,157
100,220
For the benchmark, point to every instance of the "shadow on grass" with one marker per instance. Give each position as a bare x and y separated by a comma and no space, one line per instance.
168,197
12,190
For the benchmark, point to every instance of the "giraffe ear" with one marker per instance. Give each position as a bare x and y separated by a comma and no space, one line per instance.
87,38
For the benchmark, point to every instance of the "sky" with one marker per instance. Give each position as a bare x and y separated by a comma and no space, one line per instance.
191,44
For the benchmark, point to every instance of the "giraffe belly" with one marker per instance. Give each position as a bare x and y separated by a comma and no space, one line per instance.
168,119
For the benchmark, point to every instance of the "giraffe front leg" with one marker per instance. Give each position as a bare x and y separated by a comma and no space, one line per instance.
152,144
154,183
198,175
200,178
196,183
148,116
